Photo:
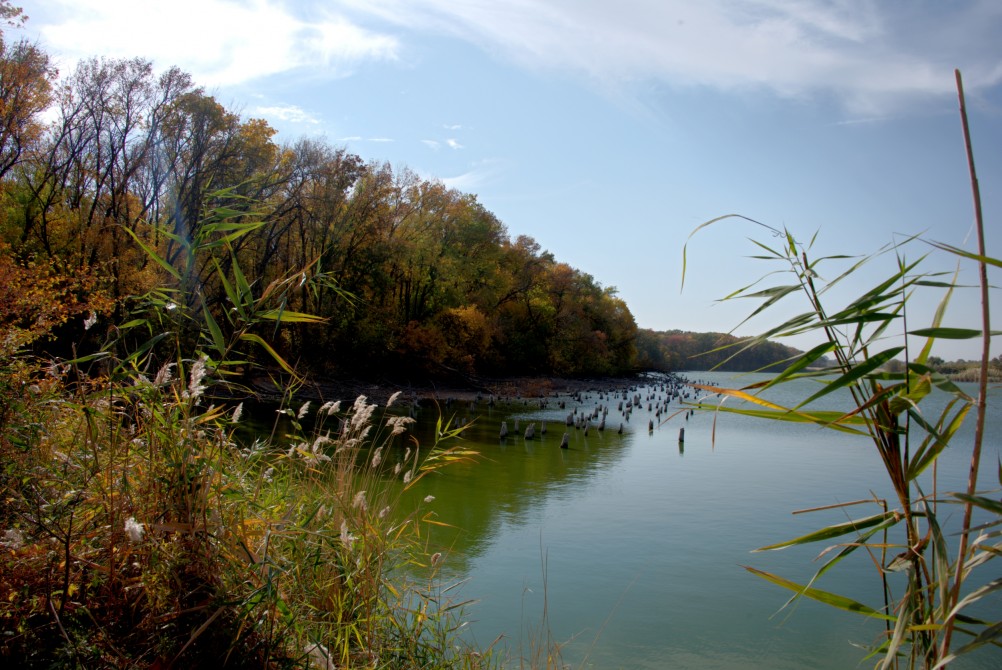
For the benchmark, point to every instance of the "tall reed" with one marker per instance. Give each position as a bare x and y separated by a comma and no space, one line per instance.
939,589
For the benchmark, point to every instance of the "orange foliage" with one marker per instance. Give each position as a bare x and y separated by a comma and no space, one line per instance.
38,297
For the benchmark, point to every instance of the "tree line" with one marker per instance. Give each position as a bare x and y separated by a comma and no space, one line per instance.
419,278
107,176
684,350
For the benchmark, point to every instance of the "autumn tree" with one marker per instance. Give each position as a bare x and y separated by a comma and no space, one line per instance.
26,76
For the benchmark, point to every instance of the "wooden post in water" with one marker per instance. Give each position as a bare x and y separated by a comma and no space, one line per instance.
681,435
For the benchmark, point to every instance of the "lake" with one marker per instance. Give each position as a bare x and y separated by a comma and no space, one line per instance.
633,543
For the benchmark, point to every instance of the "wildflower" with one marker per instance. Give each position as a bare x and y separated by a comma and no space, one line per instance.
359,501
268,475
90,321
237,413
303,410
171,306
12,539
393,399
383,512
331,408
428,499
408,476
134,529
377,457
397,468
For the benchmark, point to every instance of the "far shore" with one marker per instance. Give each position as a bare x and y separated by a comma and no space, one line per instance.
473,388
463,390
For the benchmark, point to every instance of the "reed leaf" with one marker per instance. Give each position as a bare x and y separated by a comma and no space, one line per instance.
149,251
936,440
804,361
987,504
947,333
289,316
258,340
214,331
838,530
835,600
987,260
231,293
854,374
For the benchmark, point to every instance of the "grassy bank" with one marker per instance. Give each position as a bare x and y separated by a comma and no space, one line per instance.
136,531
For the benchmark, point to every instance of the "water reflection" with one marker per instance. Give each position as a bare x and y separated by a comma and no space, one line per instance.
515,477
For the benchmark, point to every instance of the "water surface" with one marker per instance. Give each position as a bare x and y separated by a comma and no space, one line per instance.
635,543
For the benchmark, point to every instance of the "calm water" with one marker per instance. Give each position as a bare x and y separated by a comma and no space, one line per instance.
635,544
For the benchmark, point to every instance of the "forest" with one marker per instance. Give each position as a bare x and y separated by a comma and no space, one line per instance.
122,189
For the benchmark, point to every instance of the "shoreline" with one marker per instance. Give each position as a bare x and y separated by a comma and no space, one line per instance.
264,388
379,391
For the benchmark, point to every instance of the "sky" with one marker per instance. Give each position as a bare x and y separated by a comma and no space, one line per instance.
610,131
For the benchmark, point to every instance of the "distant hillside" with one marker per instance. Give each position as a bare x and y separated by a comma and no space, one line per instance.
684,350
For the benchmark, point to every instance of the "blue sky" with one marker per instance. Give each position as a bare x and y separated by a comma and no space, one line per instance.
608,131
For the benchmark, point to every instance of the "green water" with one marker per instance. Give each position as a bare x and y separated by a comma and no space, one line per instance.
634,543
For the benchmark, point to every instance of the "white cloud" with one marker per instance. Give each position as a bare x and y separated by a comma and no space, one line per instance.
453,144
219,42
870,54
482,173
452,126
431,144
291,113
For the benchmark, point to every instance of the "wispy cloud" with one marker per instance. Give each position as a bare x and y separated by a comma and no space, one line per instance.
472,180
453,143
359,138
431,144
291,113
870,55
218,41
